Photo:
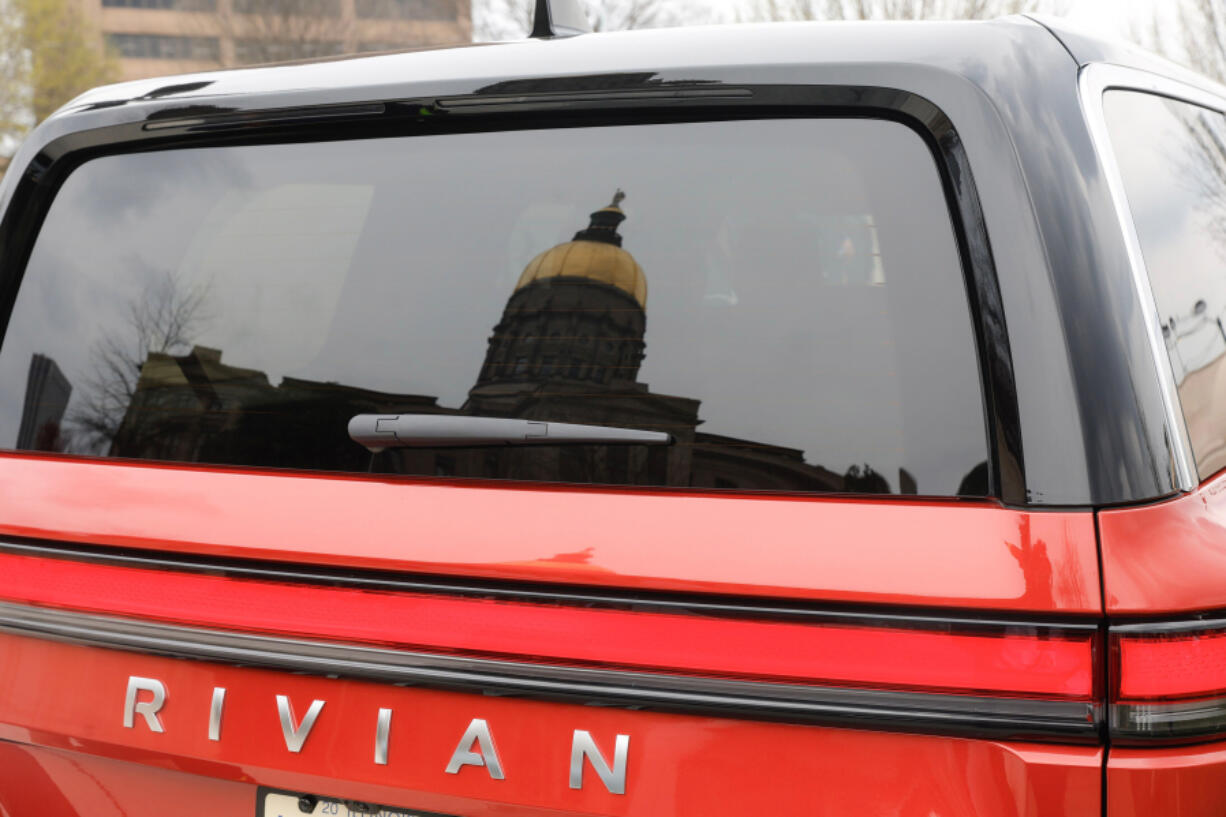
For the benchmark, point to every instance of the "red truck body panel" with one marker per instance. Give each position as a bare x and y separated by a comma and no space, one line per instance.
68,705
954,553
1169,557
1183,781
172,631
1167,560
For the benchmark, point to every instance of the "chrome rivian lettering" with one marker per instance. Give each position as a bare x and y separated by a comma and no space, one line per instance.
219,700
478,731
476,746
583,745
383,729
149,709
295,736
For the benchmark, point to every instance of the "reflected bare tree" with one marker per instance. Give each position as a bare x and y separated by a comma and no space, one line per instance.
894,9
864,479
165,318
1202,35
512,19
281,30
1195,34
272,31
1204,168
1190,32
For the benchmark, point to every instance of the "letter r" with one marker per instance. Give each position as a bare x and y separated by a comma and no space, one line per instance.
149,709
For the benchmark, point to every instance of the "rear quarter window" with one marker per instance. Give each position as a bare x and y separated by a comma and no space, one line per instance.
783,297
1172,156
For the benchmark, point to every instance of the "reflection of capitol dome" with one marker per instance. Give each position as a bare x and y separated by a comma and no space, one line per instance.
577,314
594,254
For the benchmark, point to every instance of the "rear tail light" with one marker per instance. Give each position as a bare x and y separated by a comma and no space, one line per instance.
1168,681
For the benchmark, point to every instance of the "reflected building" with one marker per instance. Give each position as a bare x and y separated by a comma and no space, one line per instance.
1196,344
569,347
47,395
196,408
154,38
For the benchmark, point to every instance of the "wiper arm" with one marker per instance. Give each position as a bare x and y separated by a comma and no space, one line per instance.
379,431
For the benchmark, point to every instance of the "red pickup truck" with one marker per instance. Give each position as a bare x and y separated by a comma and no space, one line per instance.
344,473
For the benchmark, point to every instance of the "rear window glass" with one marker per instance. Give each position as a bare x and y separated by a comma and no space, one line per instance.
1172,156
782,297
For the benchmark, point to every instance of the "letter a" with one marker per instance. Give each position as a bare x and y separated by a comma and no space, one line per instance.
486,755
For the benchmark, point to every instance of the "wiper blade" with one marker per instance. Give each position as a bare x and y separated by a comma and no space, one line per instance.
379,431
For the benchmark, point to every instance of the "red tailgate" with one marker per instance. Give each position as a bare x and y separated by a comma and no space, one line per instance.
961,554
71,698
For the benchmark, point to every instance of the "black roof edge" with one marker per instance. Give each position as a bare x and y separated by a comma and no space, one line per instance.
1087,48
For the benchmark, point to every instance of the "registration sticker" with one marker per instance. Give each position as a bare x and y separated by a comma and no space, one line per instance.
270,803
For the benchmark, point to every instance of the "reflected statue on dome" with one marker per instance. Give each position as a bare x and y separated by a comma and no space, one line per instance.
568,348
578,312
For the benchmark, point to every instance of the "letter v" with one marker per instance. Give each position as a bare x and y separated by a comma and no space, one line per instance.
295,736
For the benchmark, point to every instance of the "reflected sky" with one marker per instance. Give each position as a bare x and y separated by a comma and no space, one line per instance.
1172,156
1171,191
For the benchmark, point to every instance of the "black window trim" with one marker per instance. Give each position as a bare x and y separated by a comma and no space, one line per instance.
560,103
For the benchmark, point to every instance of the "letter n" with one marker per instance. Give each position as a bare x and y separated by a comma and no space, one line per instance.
583,746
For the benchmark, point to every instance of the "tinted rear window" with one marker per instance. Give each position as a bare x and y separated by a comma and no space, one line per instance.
784,297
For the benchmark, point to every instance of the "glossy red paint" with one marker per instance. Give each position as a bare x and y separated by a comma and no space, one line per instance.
67,783
946,553
67,704
1169,557
1010,664
1185,781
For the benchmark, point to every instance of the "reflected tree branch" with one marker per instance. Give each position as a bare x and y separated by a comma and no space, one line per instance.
894,9
165,318
512,19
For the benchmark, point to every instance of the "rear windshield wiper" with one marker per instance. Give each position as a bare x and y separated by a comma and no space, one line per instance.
379,431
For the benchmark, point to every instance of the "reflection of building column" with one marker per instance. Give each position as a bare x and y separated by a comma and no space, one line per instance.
348,27
225,36
47,394
1178,329
91,13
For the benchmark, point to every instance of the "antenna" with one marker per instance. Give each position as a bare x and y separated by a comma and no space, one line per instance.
559,18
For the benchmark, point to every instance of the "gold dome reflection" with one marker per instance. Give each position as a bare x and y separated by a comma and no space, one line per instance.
594,254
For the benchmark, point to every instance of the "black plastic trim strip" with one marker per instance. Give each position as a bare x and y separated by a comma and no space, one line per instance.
1171,627
971,716
560,594
539,101
285,116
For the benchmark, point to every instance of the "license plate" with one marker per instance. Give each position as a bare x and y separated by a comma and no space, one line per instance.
271,803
